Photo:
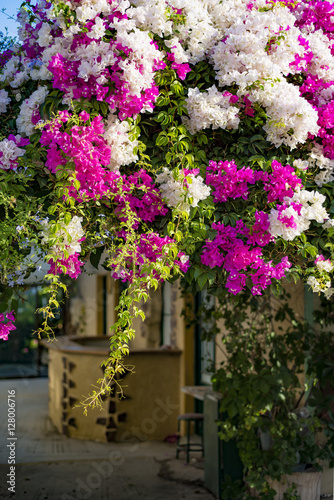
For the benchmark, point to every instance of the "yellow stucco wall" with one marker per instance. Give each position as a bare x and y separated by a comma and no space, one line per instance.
152,393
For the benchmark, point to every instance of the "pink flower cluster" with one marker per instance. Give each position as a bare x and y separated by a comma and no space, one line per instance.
301,63
151,248
232,98
229,181
85,147
247,103
72,263
317,14
281,182
242,260
259,233
312,89
181,69
109,85
146,203
6,328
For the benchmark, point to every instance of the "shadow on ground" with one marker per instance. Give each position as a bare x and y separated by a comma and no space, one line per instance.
53,467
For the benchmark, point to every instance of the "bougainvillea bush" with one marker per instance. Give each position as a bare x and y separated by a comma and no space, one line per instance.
173,138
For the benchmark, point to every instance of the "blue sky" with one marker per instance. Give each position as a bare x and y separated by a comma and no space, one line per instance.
11,6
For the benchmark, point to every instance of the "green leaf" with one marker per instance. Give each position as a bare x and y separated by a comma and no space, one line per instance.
256,137
311,250
3,307
202,279
6,295
67,218
197,273
104,108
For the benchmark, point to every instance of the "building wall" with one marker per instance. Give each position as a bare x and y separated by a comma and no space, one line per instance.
163,328
143,404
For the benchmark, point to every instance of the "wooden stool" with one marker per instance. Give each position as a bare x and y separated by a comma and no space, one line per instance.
188,418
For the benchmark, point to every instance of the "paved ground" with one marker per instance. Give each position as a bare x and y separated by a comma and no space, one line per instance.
54,467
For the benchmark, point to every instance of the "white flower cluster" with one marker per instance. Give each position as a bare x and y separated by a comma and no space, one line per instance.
20,67
328,224
321,286
301,164
293,220
324,265
138,65
198,33
9,152
184,193
251,51
259,44
89,9
210,109
4,101
28,108
67,238
117,136
325,165
44,35
151,15
15,72
93,59
257,59
224,14
290,117
323,63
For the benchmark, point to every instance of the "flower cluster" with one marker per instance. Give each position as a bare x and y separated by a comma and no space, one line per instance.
229,181
294,216
241,260
4,101
82,145
82,89
10,150
151,248
210,109
184,192
84,64
8,326
142,196
29,114
320,281
323,264
122,147
64,245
